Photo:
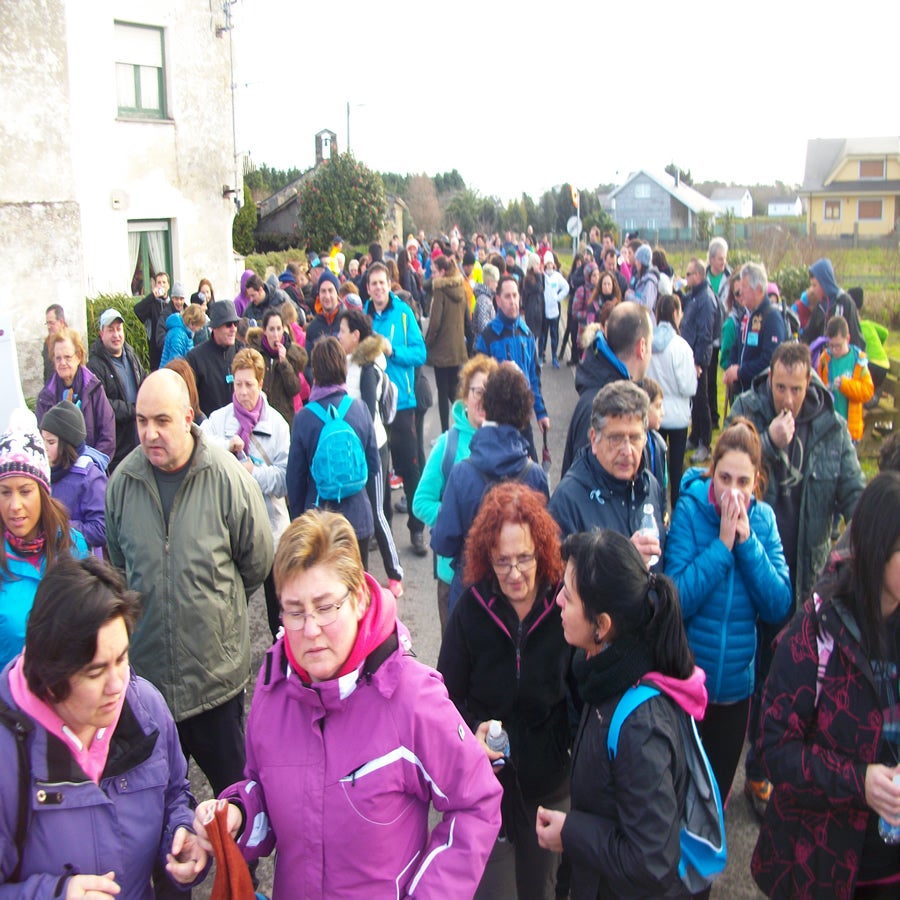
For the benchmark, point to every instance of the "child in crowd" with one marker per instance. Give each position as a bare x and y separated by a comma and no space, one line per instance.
845,371
656,446
180,330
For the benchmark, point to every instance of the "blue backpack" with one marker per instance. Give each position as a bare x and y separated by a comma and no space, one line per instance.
703,850
339,464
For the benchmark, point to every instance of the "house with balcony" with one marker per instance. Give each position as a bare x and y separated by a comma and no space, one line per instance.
118,156
852,186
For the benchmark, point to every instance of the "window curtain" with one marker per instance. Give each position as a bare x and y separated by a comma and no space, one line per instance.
156,244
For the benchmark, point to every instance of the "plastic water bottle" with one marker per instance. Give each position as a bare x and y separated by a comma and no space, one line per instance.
890,834
649,528
498,740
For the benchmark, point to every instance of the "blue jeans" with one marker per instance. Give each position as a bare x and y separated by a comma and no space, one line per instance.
551,327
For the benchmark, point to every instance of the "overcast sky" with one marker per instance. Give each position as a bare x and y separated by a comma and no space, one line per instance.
522,97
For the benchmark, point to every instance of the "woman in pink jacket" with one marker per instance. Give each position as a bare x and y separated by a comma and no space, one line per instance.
349,741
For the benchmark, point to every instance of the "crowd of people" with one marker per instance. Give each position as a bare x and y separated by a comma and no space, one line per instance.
261,449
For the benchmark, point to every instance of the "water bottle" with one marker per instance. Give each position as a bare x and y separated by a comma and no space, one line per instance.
890,834
649,528
498,740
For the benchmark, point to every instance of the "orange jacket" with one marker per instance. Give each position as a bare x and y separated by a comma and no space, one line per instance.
858,390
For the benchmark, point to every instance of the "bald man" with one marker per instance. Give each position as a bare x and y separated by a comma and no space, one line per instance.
189,529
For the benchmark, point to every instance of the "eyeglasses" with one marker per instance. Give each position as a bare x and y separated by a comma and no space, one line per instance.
229,325
66,359
617,441
521,563
323,616
476,391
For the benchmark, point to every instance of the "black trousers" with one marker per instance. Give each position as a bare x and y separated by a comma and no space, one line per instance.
676,438
446,378
215,739
723,730
712,387
701,423
405,455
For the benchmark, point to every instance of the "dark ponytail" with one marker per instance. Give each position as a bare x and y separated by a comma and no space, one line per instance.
673,654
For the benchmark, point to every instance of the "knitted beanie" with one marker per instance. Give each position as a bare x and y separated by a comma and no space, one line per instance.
22,451
644,255
328,276
66,421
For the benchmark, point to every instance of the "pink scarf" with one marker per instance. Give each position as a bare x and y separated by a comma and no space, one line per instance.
247,418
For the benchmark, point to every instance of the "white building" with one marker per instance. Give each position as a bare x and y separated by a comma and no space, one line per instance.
736,200
785,206
118,155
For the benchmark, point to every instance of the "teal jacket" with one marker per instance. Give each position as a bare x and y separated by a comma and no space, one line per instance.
397,323
427,501
17,590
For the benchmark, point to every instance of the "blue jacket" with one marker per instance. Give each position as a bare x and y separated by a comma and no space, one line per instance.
699,319
123,824
179,339
17,592
761,332
723,592
509,341
397,323
501,453
589,498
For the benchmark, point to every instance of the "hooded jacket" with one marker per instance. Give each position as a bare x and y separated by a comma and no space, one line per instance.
397,323
496,667
99,420
81,488
241,300
831,476
672,365
178,340
589,498
723,592
622,833
194,572
598,368
101,364
124,824
427,500
501,453
446,335
838,303
366,370
349,817
858,389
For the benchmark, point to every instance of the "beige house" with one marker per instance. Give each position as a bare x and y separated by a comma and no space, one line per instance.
852,186
118,155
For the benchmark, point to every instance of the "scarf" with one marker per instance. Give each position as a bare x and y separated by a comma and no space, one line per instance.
612,671
267,347
318,392
73,392
247,418
376,625
31,550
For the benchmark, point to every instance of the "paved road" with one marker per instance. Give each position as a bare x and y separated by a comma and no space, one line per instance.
418,609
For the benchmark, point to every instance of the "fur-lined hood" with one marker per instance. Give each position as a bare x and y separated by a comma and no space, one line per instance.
589,335
451,286
369,350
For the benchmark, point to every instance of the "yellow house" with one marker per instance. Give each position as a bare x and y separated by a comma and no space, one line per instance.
852,186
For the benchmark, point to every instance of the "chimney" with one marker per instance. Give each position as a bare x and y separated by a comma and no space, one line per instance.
677,176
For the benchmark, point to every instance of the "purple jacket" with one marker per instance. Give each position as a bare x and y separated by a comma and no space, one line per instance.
125,824
99,418
343,774
82,490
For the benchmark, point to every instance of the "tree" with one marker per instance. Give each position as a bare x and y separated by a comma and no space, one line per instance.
674,170
244,225
462,211
422,200
344,197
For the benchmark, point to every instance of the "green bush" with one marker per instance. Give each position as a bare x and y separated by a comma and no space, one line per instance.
135,333
244,225
792,281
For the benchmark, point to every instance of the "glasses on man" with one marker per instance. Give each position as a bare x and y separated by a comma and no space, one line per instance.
522,563
323,615
617,441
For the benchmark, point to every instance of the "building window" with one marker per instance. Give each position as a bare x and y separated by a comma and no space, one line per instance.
871,168
642,191
140,71
832,211
870,210
149,252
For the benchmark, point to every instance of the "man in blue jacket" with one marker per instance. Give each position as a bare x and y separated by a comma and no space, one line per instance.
508,339
762,329
697,330
405,350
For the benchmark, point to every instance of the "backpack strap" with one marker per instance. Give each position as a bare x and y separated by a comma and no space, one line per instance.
628,703
318,410
20,726
449,457
344,405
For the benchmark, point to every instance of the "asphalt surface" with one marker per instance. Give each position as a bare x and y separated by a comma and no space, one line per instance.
418,610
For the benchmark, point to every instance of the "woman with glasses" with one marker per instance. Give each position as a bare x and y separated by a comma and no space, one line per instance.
350,740
504,656
451,447
73,380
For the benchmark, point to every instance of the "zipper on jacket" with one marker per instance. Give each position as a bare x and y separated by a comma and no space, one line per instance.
518,651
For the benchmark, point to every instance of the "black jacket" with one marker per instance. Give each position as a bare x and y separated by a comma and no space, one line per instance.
496,667
101,364
212,369
148,310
